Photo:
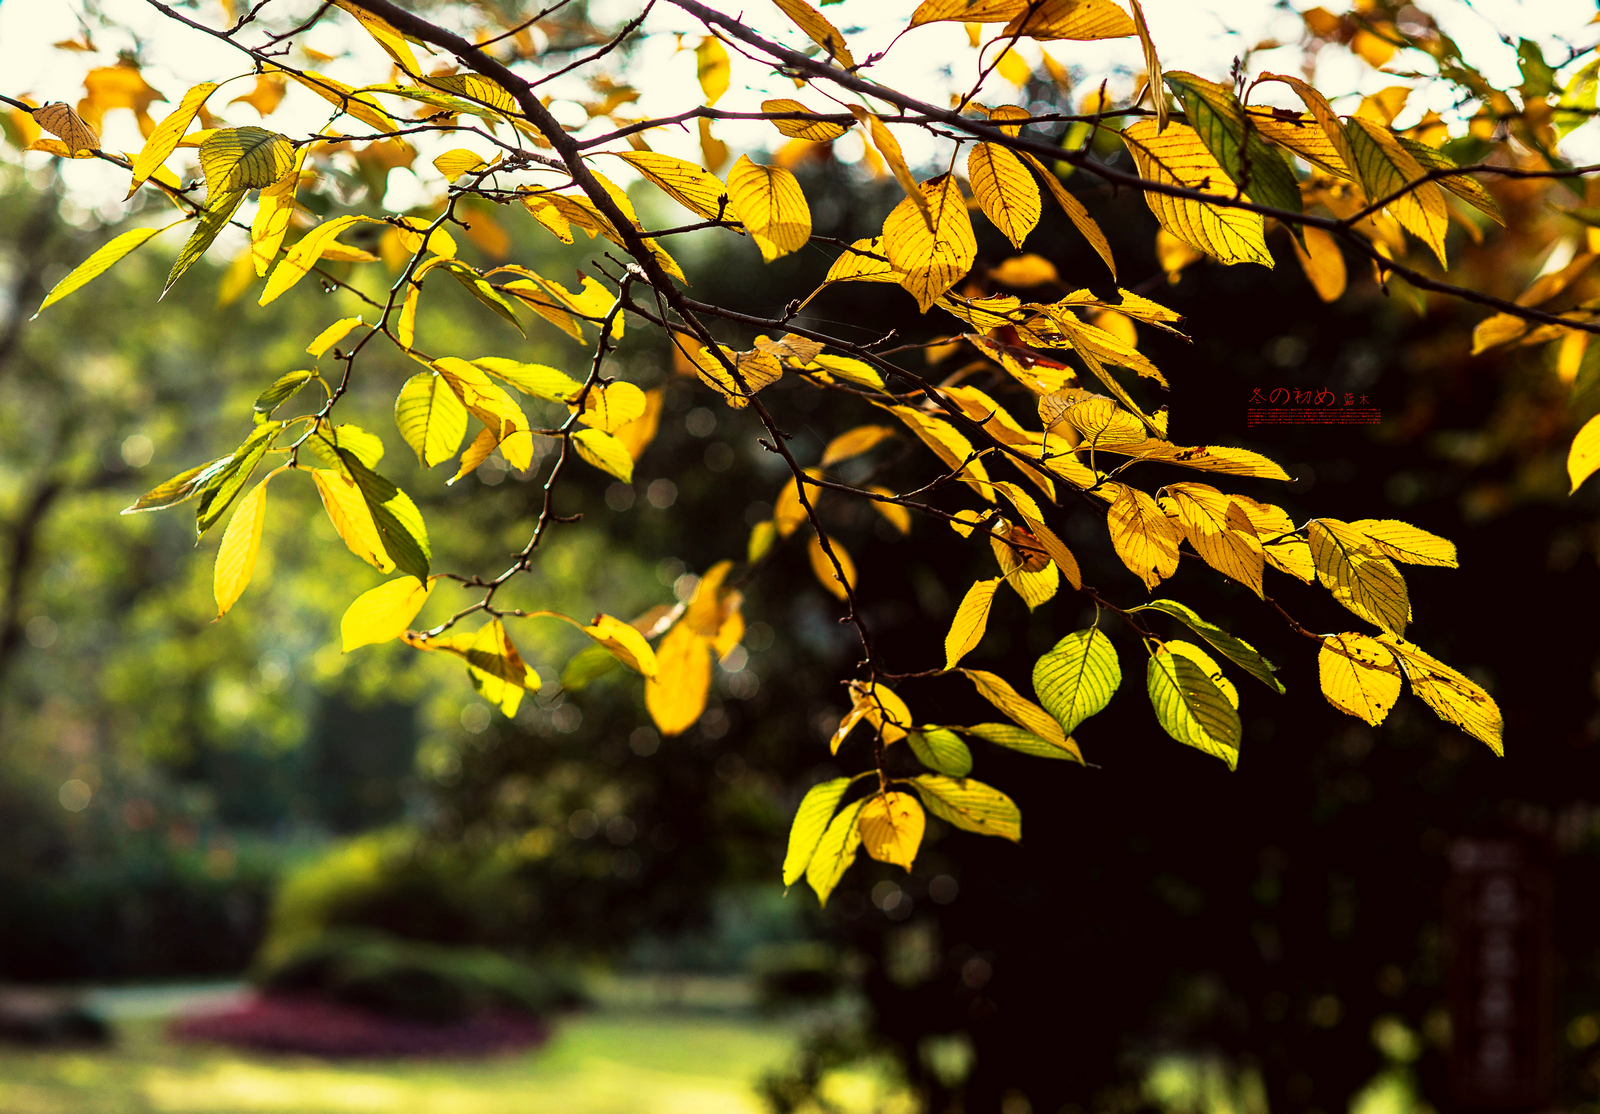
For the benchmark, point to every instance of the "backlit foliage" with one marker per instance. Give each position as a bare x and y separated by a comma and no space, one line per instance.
1053,416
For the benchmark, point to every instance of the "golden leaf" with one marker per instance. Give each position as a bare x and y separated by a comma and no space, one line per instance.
968,11
332,335
1177,157
817,131
932,257
1453,697
712,68
612,405
1359,676
855,442
241,542
351,517
164,140
1076,213
1385,167
1584,456
676,695
692,187
768,201
1145,538
1401,541
624,643
891,828
1322,261
818,30
1072,19
383,613
822,567
431,418
966,629
1360,577
1005,191
1220,532
1021,710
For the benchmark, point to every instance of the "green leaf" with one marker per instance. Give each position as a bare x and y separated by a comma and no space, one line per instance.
99,263
971,805
1076,678
180,489
399,523
434,98
230,479
941,749
249,158
1236,650
810,821
1219,119
588,664
366,447
531,379
1017,738
282,389
219,210
835,851
1191,707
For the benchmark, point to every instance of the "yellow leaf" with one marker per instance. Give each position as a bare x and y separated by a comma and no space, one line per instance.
1282,547
695,189
835,851
855,442
332,335
1177,157
863,261
497,670
1005,190
458,161
385,35
851,371
879,708
788,514
406,328
431,418
893,513
483,445
676,695
1145,539
1401,541
383,613
1021,710
1372,49
612,405
1023,271
274,210
1013,67
362,106
295,265
822,567
1152,66
351,518
948,445
57,119
1358,575
1220,532
246,158
1076,213
605,452
1301,133
98,264
1323,263
712,68
966,629
713,151
816,131
1385,167
889,147
818,30
762,536
1452,696
768,201
1584,456
1359,676
968,11
932,256
1072,19
636,435
241,542
164,140
757,369
623,643
891,828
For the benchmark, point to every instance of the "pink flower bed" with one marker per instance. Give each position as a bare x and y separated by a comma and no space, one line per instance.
317,1027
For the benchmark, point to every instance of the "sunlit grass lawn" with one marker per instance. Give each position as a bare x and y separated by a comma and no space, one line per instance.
611,1061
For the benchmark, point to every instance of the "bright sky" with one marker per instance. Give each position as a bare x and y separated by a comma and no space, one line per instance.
1199,35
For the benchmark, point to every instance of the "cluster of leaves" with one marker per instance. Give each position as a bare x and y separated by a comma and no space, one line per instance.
1218,169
